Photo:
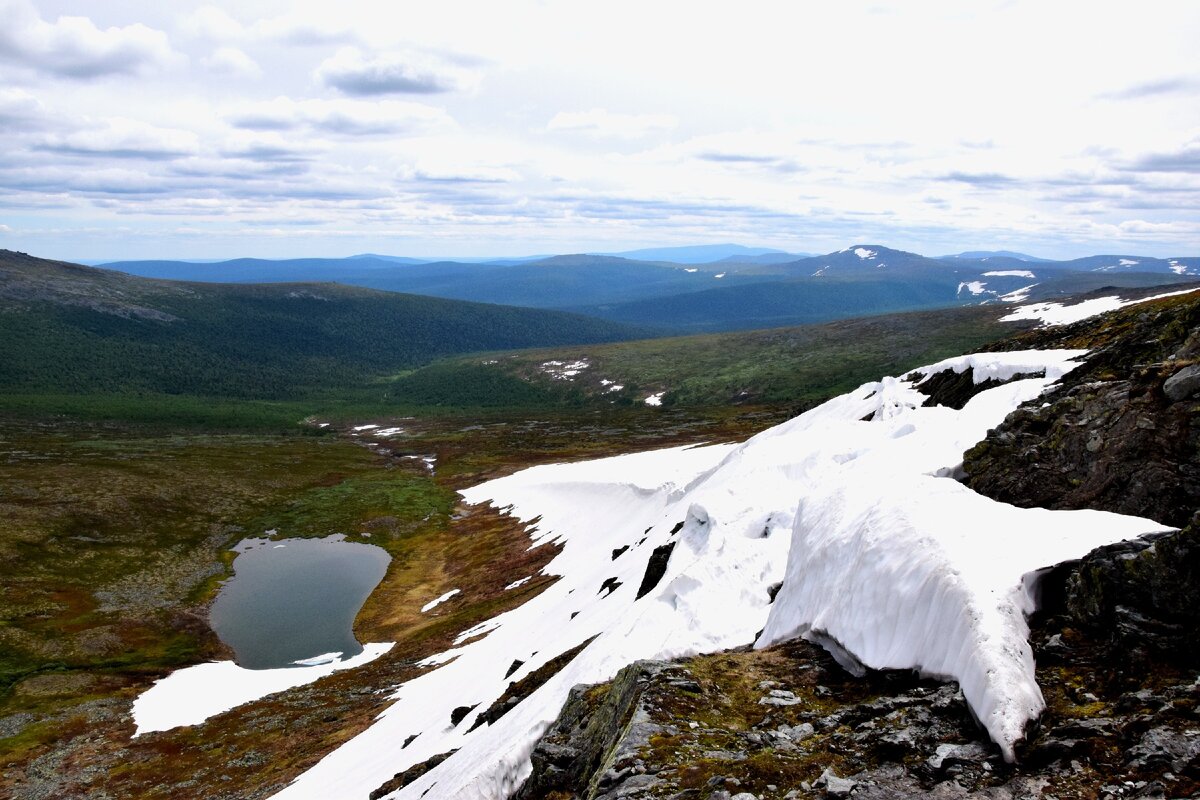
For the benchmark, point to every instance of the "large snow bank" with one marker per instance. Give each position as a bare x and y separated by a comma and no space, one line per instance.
881,557
190,696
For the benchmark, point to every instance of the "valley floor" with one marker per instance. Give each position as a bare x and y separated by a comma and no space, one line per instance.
115,538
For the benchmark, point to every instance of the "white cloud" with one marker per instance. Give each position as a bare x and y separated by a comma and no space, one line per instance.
599,122
210,22
74,47
232,61
122,138
355,73
19,110
589,130
214,23
341,116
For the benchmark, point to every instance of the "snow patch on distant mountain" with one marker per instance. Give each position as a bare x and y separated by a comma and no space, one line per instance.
1019,295
974,287
864,253
1010,273
1122,263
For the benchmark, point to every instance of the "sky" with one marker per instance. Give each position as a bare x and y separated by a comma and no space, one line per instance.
291,129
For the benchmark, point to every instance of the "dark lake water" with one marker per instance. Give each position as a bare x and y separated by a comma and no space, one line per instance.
294,599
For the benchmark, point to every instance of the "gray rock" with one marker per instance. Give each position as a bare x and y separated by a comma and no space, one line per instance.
796,733
780,697
948,754
834,785
1183,384
1164,747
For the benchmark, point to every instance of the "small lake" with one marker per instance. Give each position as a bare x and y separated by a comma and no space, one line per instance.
293,600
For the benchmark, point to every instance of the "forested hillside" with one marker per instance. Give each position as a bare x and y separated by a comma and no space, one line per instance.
66,328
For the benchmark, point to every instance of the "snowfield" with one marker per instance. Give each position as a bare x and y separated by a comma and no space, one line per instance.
1060,314
191,695
928,574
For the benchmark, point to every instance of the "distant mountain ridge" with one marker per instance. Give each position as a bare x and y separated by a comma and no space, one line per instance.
67,328
713,295
995,254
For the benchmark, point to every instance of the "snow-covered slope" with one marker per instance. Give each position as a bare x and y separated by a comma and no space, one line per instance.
883,557
1051,313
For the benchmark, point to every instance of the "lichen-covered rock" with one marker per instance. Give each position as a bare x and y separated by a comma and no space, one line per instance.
1143,593
1110,436
652,734
587,748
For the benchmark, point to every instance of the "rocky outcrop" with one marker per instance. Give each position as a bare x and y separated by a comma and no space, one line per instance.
1142,595
954,389
787,723
1121,433
594,743
1116,445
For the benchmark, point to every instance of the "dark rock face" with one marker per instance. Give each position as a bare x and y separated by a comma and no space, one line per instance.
655,568
583,751
953,389
402,779
1121,433
519,690
1113,445
1142,594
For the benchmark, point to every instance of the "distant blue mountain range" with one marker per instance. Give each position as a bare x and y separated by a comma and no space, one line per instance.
740,288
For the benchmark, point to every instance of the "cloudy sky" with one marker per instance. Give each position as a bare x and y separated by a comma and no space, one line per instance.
204,130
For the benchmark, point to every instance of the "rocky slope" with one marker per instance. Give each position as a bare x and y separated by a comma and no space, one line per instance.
1115,641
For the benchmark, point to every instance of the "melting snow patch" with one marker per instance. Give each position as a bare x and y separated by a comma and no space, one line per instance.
974,287
719,275
324,658
691,269
517,583
561,371
487,626
654,399
881,561
190,696
1059,314
364,427
386,432
432,604
1177,268
864,253
1019,295
1128,262
1010,273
